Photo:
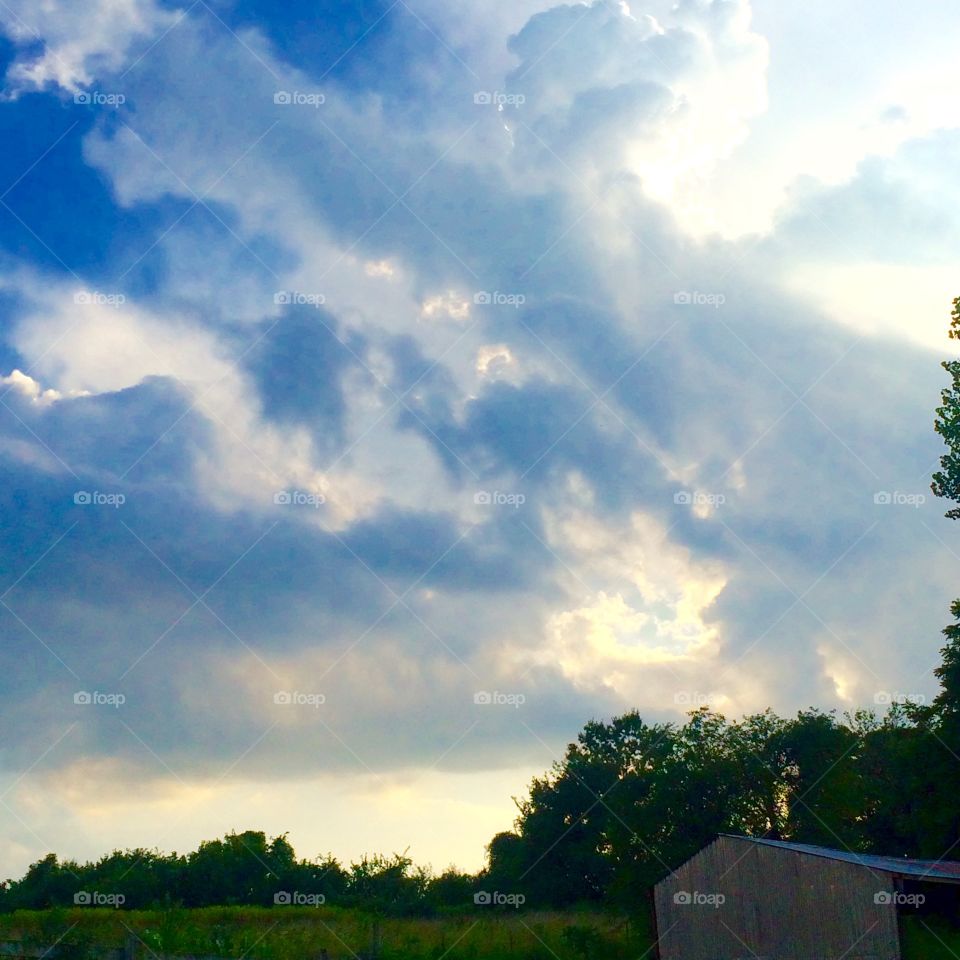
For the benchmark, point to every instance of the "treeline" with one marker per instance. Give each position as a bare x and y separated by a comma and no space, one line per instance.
629,802
632,801
241,869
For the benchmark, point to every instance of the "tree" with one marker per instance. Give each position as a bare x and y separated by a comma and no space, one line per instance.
899,784
946,482
825,798
758,746
234,870
942,721
452,889
47,883
593,824
506,862
388,886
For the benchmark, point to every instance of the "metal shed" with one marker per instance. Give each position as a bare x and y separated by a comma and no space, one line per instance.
742,897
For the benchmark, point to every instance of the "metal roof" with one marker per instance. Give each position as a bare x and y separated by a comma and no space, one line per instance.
943,870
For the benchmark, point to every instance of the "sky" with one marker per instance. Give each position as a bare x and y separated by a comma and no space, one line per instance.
389,388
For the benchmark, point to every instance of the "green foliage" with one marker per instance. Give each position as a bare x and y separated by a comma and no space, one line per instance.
451,890
261,933
387,885
929,938
242,868
583,941
941,723
946,482
629,802
55,927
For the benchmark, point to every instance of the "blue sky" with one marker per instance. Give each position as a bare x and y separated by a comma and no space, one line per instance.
360,360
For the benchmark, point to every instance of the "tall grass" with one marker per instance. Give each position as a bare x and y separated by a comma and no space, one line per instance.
930,939
303,933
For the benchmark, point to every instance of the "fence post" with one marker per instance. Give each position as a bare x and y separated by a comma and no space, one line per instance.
130,947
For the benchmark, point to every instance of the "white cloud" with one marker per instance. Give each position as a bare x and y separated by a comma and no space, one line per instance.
495,360
85,341
80,41
882,299
30,388
447,306
666,101
644,602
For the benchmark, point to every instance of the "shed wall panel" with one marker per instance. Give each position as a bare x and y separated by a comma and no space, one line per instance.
776,905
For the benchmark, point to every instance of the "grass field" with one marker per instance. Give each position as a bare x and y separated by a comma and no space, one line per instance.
295,933
303,933
930,939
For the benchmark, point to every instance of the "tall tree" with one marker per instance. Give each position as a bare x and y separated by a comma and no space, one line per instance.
946,482
941,723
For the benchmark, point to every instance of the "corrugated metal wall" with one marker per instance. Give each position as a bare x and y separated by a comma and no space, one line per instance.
736,900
